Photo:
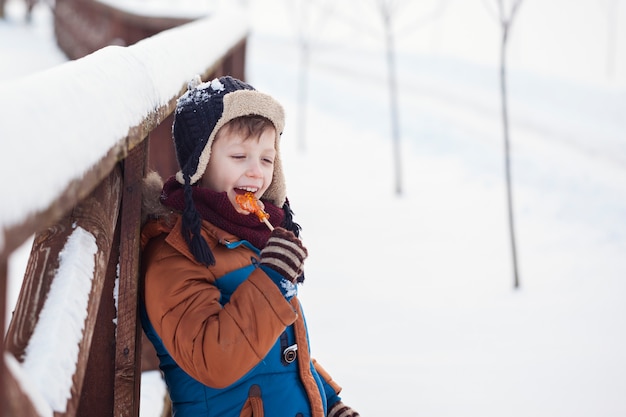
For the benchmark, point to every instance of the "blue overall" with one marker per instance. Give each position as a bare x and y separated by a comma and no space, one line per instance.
275,380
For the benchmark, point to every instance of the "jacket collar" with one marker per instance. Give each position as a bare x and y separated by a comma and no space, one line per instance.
172,227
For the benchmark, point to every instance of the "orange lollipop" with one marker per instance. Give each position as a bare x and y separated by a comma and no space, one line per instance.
249,203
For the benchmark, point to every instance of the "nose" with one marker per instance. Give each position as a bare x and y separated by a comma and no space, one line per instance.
254,169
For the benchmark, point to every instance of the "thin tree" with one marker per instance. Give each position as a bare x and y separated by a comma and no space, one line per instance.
303,88
305,23
390,11
505,18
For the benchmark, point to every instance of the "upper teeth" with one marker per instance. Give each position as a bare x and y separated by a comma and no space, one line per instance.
252,190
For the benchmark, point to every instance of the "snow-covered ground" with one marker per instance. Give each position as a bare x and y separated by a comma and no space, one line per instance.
409,300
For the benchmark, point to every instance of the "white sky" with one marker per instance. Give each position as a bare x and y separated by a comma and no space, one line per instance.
409,300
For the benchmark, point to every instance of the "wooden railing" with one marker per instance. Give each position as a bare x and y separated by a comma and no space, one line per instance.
84,26
73,346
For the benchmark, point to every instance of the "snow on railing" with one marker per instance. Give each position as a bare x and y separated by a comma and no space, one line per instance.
65,132
52,352
40,405
61,122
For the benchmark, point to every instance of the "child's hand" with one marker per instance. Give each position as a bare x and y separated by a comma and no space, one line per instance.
339,409
284,253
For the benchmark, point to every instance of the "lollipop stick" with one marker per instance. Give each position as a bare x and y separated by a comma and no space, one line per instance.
267,223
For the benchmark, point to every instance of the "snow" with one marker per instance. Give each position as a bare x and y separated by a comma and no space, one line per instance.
39,402
50,360
152,394
159,64
116,293
167,8
409,300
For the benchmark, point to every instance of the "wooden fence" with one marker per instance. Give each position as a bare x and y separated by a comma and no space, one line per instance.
84,26
103,208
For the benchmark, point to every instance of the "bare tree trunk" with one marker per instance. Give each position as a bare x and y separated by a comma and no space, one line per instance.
30,5
393,99
389,10
507,152
505,24
4,374
305,19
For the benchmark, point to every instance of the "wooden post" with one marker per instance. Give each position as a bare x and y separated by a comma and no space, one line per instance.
3,305
97,395
18,403
107,382
97,214
102,209
128,344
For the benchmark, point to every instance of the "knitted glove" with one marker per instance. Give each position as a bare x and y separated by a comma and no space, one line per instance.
284,254
339,409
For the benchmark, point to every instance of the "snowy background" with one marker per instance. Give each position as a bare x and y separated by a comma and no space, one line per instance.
409,300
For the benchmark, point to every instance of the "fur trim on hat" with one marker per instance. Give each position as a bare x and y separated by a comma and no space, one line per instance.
245,102
199,115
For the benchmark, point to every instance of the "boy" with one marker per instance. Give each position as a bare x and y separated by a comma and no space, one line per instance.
220,302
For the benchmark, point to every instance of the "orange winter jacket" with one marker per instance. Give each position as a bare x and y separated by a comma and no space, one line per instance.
217,344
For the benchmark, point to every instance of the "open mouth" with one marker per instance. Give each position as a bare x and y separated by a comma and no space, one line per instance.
243,190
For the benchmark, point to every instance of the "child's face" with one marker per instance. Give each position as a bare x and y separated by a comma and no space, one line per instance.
238,164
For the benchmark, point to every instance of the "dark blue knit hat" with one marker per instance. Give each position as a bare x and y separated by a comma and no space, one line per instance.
199,115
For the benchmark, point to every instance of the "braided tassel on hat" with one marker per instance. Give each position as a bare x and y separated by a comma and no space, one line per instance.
199,115
191,227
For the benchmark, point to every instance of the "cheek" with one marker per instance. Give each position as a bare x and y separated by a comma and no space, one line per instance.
216,178
269,175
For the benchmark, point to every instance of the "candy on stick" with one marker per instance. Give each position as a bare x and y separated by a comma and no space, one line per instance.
249,203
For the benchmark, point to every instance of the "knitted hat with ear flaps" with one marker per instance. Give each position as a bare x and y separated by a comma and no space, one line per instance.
199,115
